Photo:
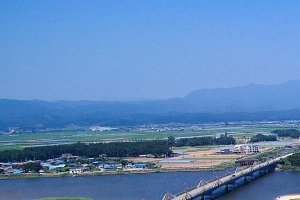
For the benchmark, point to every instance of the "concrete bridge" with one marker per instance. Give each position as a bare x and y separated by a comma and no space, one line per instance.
204,188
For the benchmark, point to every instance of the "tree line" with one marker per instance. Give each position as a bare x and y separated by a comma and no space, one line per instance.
156,148
202,141
260,137
123,149
293,133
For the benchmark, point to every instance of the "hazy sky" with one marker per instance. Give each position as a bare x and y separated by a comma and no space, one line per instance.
117,50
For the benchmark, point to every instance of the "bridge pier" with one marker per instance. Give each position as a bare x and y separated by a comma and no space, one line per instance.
234,185
231,186
212,196
263,171
249,176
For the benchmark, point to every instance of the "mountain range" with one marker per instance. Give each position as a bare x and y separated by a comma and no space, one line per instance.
252,102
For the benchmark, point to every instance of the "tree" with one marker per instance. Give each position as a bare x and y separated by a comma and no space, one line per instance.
124,162
32,166
171,141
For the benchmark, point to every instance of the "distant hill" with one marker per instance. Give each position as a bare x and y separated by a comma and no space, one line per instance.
252,102
252,97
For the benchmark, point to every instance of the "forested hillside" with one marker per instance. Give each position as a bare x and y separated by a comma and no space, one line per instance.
248,103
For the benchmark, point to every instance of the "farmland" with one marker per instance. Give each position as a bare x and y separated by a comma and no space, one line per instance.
18,139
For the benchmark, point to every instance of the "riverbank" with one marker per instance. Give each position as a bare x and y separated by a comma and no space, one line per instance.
205,160
289,197
97,173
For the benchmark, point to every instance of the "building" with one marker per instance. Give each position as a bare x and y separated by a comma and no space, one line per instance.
76,171
251,149
140,165
111,167
225,151
246,149
238,149
246,162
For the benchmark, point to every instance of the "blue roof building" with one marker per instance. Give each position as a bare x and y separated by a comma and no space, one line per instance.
140,165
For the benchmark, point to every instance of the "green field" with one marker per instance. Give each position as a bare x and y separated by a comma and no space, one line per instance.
84,134
192,149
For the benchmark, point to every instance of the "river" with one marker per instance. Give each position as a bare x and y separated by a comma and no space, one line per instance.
152,186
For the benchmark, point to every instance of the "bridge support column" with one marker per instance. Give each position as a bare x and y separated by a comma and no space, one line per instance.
212,196
234,186
226,187
202,197
252,177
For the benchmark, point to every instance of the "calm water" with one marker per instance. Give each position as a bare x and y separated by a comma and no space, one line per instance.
144,186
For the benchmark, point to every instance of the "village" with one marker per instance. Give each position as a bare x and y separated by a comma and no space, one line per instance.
190,158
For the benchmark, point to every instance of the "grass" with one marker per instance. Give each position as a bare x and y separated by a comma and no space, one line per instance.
85,134
192,149
11,147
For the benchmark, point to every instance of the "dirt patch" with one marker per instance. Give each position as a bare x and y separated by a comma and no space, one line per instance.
203,159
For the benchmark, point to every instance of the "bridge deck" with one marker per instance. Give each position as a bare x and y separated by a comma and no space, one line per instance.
210,186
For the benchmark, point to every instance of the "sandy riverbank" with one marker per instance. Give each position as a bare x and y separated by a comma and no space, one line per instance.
289,197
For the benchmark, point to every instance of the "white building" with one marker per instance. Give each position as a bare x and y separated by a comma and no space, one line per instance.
246,149
238,149
76,171
252,148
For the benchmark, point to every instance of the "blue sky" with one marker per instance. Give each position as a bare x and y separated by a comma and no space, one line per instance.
124,50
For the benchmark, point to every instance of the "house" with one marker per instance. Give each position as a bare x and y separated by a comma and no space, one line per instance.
16,165
45,165
111,167
225,151
98,164
13,171
18,171
4,165
56,166
139,165
76,171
